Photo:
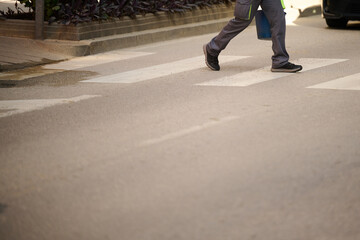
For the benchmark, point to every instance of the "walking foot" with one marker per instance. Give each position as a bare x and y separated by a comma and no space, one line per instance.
211,61
288,68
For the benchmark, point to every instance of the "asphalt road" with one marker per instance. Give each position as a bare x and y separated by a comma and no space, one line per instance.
154,146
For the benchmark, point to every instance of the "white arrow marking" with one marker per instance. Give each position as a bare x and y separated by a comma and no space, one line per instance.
11,107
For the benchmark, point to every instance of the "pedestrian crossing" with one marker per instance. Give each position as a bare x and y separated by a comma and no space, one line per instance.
242,79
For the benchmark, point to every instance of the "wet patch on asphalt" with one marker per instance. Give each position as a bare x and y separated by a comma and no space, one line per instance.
39,76
2,208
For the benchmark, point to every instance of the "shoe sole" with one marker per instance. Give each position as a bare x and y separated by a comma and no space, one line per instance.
286,70
207,64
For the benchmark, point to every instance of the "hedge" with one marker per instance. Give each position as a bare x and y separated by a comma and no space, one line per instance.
77,11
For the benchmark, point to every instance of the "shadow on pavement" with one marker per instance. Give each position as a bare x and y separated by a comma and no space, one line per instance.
352,26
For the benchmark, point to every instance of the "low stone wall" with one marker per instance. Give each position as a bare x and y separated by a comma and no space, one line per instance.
83,31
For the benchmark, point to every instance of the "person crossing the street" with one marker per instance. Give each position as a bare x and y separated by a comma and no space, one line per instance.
245,11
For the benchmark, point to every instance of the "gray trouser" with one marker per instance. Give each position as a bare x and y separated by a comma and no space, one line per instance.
245,11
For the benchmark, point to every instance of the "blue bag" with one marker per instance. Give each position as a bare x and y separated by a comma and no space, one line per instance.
262,26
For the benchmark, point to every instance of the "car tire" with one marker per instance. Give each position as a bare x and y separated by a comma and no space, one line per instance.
336,23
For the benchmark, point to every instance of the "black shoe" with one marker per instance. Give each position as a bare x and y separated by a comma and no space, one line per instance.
211,61
288,67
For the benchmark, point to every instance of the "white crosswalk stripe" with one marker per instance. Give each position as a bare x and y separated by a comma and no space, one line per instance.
264,74
161,70
93,60
351,82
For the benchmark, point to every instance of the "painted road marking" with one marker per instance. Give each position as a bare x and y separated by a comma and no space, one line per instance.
351,82
93,60
161,70
264,74
188,131
11,107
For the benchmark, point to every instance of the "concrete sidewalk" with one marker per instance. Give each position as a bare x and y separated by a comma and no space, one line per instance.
18,53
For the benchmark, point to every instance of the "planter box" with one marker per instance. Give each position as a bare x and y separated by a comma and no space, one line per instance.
85,31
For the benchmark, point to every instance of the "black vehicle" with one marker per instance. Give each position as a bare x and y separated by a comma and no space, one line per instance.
337,13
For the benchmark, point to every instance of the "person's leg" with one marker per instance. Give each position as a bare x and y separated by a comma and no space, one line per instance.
274,12
245,11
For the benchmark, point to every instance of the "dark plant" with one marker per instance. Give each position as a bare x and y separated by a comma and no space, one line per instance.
77,11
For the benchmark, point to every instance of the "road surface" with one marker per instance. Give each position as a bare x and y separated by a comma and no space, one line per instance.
148,143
